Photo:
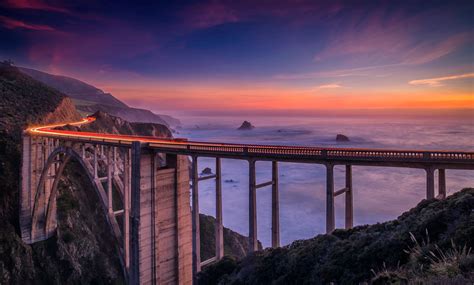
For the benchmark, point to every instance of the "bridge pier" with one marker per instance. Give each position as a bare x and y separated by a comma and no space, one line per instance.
110,206
430,184
219,221
349,198
330,212
219,227
253,186
441,183
161,219
195,218
253,242
275,207
331,194
126,207
95,162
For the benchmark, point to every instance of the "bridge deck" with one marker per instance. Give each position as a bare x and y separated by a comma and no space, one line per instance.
306,154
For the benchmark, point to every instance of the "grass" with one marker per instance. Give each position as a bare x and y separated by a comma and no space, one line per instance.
428,261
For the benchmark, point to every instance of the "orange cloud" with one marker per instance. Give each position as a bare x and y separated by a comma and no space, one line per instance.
329,86
271,98
438,81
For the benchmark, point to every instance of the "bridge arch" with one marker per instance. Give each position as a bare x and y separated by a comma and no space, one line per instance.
43,216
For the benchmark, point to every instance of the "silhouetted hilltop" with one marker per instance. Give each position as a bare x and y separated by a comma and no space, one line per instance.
90,99
74,88
385,253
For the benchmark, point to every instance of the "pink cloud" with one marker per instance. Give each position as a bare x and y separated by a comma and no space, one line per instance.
91,51
296,13
388,37
438,81
10,23
429,51
34,5
209,14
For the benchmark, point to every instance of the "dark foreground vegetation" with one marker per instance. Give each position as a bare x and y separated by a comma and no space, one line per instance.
430,244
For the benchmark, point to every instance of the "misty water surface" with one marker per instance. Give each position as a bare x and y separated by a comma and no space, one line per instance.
380,194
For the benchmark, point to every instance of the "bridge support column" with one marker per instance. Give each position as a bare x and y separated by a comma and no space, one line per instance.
126,208
83,151
27,187
219,222
275,207
195,218
330,219
442,183
349,198
253,242
95,162
430,185
109,182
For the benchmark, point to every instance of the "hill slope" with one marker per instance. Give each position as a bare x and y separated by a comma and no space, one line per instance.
23,101
89,99
74,88
91,259
348,256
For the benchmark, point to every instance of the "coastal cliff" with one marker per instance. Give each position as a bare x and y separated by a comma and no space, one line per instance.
65,258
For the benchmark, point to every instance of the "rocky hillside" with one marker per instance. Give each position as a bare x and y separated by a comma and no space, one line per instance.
23,102
64,259
106,123
89,99
129,114
235,244
430,244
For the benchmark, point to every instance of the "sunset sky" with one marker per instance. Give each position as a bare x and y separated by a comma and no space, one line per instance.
253,55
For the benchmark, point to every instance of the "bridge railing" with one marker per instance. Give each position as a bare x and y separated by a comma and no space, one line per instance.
277,150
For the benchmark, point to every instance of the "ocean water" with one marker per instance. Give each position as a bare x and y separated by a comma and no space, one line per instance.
380,193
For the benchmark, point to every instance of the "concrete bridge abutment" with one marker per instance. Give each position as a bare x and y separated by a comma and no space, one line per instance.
161,234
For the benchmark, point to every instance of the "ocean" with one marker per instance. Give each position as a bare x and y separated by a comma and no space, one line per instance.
380,193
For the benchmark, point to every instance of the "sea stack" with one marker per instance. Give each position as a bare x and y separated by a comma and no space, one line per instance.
342,138
206,171
246,125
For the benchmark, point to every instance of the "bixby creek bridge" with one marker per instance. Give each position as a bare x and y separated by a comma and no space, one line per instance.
156,230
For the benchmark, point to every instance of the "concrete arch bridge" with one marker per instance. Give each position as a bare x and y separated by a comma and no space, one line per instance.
156,230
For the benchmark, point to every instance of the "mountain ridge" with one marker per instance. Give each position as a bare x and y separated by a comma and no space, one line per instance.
89,99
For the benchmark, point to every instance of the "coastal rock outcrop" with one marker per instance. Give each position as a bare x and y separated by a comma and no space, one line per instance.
206,171
342,138
246,125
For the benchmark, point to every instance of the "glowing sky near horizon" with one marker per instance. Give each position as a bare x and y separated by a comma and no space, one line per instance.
252,55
